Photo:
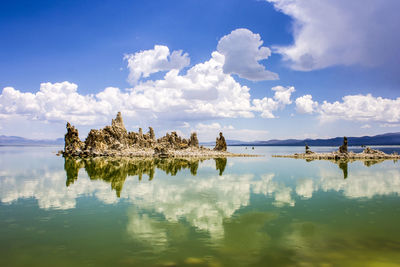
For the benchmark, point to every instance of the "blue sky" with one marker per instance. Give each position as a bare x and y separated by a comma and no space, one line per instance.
202,66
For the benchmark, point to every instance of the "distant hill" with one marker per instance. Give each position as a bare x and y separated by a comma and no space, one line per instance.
382,139
20,141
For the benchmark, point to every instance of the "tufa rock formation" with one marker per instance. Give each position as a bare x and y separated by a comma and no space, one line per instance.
343,154
308,150
73,145
220,144
115,140
193,141
343,148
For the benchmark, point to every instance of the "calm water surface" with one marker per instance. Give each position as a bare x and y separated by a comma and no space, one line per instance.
221,212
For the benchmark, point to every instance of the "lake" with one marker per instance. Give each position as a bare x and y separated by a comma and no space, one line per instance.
259,211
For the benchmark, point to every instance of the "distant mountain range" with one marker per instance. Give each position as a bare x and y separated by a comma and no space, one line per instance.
382,139
20,141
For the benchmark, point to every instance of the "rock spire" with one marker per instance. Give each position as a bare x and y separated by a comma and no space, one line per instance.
220,144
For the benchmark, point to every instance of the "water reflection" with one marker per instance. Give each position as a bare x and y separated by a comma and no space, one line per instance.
217,212
115,171
343,164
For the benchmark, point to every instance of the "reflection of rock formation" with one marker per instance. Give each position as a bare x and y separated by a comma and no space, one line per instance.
369,163
343,165
220,164
71,168
115,171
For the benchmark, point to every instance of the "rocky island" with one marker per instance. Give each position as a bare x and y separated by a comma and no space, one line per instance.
116,141
342,154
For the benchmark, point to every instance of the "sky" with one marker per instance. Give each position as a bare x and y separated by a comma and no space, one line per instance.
253,69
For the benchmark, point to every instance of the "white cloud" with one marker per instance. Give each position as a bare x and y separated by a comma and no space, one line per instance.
282,94
208,132
353,107
362,108
185,125
268,105
204,92
243,50
334,32
366,126
58,101
144,63
305,104
389,125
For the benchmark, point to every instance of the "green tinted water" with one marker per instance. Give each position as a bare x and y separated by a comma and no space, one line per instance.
227,212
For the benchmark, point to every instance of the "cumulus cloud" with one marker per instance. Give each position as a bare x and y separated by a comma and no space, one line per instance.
283,94
305,104
362,108
334,32
204,92
144,63
208,132
243,50
353,107
280,99
53,101
389,125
